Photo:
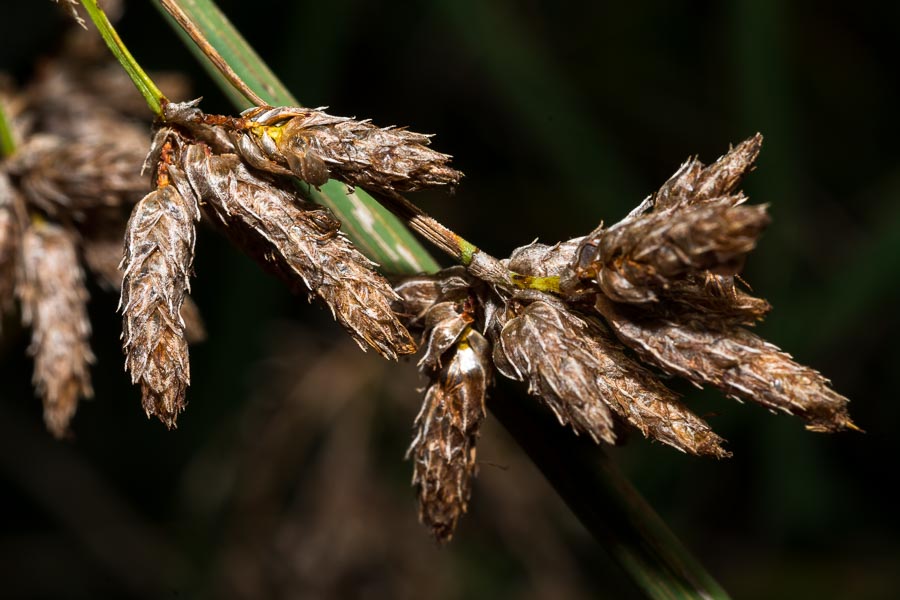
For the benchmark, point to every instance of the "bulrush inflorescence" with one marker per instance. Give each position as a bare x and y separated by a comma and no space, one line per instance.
661,283
590,325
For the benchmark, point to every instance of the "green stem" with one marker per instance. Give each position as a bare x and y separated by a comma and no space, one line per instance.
154,97
7,140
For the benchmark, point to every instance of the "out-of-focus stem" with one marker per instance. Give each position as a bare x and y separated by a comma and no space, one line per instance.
148,89
7,140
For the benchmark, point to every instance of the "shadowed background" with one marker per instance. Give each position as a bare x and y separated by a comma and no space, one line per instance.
286,478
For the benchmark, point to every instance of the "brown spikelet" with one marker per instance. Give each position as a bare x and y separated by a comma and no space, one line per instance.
582,375
159,252
316,147
546,348
443,450
54,299
641,400
457,362
302,244
9,242
635,258
734,360
65,177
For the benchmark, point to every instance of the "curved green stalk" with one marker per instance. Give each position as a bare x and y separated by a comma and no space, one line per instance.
154,97
595,490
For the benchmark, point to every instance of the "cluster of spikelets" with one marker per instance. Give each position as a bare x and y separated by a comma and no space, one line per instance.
240,174
588,324
64,198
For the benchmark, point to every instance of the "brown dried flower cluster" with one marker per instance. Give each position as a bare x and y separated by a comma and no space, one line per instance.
241,172
64,198
659,286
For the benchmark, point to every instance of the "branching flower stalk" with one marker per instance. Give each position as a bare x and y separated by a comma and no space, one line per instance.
567,319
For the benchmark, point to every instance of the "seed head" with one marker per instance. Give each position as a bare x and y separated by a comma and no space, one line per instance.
316,147
53,298
159,253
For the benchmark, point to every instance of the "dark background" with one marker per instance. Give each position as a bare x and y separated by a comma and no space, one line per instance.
561,115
